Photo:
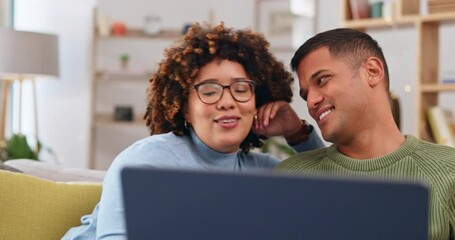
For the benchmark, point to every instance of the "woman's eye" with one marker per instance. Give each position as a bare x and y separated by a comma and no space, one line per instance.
240,90
209,93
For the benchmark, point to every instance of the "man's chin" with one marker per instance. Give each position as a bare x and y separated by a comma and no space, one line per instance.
327,136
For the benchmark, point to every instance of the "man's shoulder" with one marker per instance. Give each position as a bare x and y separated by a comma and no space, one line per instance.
438,154
304,160
435,148
435,162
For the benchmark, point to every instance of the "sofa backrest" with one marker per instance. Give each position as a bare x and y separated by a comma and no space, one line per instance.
55,172
35,208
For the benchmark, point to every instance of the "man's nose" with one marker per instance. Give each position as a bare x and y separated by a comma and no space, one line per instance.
314,97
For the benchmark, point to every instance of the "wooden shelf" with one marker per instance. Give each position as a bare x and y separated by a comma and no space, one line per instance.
438,17
368,23
166,34
114,84
107,120
402,16
428,50
123,76
380,22
433,88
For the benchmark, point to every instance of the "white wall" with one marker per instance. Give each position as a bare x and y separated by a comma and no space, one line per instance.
175,13
4,12
447,61
63,105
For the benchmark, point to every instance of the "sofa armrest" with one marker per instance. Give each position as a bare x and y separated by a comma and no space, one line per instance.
36,208
55,172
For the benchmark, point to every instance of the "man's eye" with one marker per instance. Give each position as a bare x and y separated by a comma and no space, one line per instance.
322,80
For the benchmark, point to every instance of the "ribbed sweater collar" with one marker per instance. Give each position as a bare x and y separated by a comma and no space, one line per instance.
211,158
409,146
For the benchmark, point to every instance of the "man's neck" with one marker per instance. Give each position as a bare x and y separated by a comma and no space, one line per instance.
372,144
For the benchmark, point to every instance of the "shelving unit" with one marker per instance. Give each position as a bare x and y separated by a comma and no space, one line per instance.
106,121
117,85
407,12
133,33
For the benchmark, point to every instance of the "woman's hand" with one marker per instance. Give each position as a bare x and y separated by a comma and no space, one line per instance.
276,119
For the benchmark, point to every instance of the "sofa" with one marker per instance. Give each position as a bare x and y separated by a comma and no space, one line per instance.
42,201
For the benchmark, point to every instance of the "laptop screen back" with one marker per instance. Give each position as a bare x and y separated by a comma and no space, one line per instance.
174,204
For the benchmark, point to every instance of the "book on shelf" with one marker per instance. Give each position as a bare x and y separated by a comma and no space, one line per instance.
440,6
442,123
359,9
448,77
102,24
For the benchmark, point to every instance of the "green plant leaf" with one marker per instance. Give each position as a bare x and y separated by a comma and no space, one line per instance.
274,143
17,147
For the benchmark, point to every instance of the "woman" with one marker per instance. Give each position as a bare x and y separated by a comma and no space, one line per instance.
201,107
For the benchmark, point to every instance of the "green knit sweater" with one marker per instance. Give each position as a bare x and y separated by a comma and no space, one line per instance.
414,160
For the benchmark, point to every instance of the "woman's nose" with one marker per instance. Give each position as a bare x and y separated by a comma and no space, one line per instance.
226,101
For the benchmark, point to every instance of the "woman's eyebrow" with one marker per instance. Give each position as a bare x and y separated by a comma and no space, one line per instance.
209,80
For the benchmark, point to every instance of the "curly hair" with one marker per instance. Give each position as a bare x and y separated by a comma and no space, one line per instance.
169,85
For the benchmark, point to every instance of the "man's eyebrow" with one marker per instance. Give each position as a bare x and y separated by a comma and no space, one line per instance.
316,74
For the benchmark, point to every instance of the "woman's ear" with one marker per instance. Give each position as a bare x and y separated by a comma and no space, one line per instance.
375,71
186,115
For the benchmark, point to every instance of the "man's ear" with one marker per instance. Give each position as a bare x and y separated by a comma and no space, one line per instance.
375,70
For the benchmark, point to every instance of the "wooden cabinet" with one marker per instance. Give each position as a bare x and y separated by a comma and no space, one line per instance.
115,84
427,26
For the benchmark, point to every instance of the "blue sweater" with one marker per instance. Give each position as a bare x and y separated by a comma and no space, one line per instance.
165,151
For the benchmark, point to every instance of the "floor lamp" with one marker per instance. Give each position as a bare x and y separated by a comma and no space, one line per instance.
25,56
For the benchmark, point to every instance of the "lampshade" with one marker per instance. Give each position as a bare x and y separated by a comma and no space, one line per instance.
27,54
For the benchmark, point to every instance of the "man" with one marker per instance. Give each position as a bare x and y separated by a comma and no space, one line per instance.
344,79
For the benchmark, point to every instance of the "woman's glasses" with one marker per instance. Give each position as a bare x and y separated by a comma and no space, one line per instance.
212,92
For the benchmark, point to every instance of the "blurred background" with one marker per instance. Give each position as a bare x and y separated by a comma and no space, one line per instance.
108,48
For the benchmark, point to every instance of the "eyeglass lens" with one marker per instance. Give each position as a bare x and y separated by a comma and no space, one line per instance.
211,92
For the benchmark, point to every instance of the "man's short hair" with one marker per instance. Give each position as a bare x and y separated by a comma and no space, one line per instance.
350,45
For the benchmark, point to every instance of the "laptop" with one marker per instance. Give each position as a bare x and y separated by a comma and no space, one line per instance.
176,204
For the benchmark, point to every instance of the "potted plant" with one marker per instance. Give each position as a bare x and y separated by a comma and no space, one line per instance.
124,59
17,147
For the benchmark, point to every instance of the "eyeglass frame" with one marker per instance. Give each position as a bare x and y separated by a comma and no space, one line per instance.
252,84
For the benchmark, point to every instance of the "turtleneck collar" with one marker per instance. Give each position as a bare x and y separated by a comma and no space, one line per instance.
211,158
409,146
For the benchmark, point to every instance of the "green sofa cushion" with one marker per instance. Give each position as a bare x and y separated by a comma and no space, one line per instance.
35,208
